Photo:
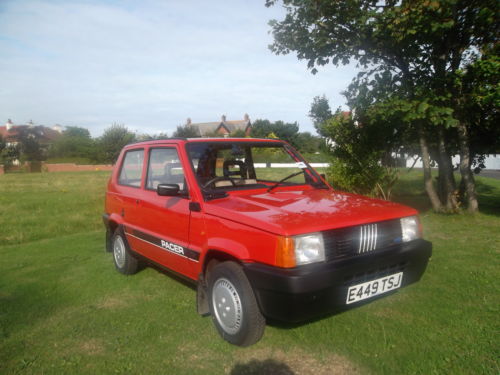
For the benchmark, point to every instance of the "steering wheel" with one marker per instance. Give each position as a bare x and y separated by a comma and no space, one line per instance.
219,178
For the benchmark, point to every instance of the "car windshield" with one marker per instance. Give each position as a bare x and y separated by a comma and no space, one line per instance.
248,165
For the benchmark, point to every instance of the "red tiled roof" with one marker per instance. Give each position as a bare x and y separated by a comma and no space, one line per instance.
48,134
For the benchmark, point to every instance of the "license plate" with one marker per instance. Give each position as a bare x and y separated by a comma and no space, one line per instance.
374,288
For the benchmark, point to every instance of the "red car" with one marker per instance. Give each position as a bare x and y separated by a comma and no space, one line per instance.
260,231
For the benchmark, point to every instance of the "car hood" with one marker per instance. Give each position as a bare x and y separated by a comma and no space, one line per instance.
305,211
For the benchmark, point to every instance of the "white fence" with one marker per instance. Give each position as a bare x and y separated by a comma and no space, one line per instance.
491,162
288,165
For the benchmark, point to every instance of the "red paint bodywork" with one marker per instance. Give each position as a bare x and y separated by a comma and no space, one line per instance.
245,225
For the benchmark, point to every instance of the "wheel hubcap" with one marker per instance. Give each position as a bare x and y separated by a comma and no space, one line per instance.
119,252
227,306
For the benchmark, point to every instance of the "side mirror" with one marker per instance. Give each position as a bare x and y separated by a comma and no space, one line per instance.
323,176
167,189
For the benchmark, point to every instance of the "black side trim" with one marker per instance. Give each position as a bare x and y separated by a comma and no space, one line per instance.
164,244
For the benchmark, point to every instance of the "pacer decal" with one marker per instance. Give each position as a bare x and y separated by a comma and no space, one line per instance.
163,244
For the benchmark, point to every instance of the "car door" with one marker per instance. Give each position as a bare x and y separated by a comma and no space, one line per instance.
165,219
128,190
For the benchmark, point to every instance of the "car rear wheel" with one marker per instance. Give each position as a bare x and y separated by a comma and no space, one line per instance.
233,306
124,261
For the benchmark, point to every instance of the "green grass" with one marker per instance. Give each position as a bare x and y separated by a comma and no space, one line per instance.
64,309
44,205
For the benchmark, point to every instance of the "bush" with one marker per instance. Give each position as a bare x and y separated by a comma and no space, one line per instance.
369,178
356,153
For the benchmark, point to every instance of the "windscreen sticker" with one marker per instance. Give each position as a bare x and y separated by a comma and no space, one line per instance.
301,165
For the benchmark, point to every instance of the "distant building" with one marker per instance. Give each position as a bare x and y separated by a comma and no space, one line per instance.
223,127
10,132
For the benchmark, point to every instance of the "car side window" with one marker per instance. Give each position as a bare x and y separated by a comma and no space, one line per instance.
164,168
131,170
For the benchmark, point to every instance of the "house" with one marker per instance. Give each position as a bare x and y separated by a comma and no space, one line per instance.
10,132
223,127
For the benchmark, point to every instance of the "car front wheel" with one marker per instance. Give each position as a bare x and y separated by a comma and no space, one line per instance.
233,306
124,261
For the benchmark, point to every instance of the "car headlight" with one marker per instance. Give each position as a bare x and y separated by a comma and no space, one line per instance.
298,250
410,228
309,248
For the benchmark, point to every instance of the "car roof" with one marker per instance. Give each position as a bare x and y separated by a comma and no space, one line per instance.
197,140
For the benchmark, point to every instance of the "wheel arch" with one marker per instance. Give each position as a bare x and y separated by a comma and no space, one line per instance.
215,256
112,223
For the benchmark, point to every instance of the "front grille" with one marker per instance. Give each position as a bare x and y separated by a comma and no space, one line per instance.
361,239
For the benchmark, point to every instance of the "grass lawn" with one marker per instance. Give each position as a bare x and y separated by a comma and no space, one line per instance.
64,309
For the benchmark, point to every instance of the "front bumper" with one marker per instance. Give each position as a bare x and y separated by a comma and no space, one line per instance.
311,291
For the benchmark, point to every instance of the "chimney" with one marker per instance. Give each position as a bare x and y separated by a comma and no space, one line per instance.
8,124
188,121
246,117
223,118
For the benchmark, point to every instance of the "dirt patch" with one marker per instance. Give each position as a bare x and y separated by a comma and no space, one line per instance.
292,362
92,347
110,303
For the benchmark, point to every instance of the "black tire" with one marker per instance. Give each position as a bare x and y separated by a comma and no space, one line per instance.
229,291
124,261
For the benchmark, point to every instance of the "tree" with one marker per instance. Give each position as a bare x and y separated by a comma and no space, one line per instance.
9,154
186,131
238,133
478,95
31,147
112,141
320,111
3,144
419,48
308,143
284,131
73,142
356,151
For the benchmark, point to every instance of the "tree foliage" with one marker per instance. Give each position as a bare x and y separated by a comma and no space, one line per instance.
112,141
186,131
30,143
74,142
413,55
320,111
356,153
305,142
285,131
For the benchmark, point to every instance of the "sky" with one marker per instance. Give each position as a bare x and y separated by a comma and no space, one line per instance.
152,64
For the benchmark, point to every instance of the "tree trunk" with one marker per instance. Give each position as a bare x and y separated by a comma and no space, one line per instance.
465,169
447,186
426,161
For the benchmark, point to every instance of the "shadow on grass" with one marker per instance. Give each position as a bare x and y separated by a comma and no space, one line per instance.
266,367
410,192
24,306
420,202
489,197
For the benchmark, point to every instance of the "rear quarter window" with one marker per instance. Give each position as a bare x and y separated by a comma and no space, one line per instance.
131,169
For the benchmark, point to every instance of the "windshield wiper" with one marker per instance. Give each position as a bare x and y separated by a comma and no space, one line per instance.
284,179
